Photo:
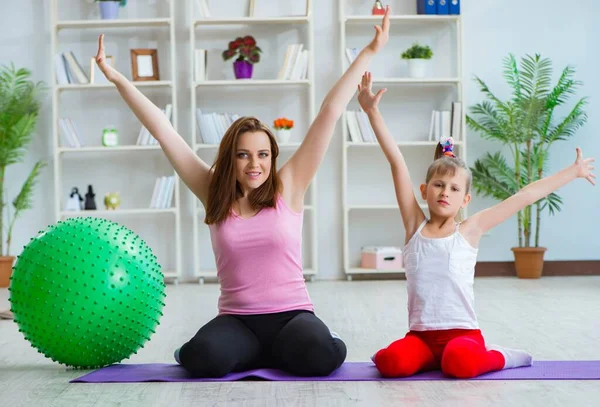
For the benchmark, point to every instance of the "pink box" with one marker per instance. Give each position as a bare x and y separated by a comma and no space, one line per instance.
384,258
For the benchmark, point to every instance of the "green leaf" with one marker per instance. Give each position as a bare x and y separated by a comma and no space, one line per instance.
553,202
23,201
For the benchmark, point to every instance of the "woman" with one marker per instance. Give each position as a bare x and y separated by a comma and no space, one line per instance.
254,212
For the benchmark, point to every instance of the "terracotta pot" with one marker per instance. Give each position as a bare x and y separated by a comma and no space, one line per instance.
529,261
6,264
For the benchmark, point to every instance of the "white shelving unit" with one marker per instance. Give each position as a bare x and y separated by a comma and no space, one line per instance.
95,155
219,31
371,214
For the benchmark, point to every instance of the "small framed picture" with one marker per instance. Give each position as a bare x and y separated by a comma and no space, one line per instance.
144,64
96,75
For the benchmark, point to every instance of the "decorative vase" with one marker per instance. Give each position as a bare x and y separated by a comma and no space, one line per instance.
109,10
529,261
283,135
417,67
242,69
6,265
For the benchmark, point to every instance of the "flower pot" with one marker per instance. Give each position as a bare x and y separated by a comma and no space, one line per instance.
109,10
417,68
242,69
529,261
283,135
6,264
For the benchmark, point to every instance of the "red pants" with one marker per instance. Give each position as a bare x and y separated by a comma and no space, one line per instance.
458,352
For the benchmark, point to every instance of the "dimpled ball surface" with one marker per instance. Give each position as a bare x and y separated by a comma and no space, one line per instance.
87,292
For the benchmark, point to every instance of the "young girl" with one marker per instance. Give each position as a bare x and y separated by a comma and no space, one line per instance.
440,256
254,213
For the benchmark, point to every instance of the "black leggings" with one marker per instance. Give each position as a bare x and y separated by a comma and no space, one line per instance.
295,341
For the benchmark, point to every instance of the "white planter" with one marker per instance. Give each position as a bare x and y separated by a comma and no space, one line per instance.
283,136
417,68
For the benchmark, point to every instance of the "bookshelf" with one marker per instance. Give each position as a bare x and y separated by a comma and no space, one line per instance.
127,168
370,212
219,92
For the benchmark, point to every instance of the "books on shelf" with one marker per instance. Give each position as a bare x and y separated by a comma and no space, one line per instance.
144,136
69,133
351,54
446,123
200,61
359,127
162,195
68,70
212,126
295,63
202,9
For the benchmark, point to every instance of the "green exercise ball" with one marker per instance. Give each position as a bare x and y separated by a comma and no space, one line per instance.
87,292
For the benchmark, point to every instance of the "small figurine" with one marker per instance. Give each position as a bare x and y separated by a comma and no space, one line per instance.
90,203
74,203
378,9
112,200
447,147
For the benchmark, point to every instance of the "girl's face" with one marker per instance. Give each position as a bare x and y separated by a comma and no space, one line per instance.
446,194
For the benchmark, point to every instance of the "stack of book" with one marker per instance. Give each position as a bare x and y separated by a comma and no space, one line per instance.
68,70
359,127
351,54
295,64
446,123
69,133
213,126
144,136
162,196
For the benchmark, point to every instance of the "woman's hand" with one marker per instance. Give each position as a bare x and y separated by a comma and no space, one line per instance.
382,33
107,70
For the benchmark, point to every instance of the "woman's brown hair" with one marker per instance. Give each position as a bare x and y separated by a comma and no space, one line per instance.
224,189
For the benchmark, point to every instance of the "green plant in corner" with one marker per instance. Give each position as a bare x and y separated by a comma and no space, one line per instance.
417,51
527,125
19,109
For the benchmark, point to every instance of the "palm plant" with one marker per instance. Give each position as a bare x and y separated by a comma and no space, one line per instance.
526,124
19,108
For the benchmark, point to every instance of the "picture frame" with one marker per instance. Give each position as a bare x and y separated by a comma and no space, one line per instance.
96,75
144,64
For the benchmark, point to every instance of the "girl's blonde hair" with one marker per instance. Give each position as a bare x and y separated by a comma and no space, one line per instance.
447,165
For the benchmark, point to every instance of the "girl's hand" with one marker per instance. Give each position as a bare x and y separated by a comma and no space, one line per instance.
107,70
366,98
584,167
382,33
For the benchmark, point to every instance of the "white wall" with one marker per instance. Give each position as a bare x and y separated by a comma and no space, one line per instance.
491,31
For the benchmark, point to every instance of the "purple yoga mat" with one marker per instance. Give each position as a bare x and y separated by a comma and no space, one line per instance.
349,371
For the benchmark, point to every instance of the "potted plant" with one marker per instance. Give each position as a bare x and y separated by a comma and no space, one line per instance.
19,108
109,9
248,54
526,123
417,57
283,129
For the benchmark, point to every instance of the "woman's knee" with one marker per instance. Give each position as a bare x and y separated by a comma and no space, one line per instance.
321,357
204,358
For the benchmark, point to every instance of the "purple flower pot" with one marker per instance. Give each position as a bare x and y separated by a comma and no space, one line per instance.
109,10
242,69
